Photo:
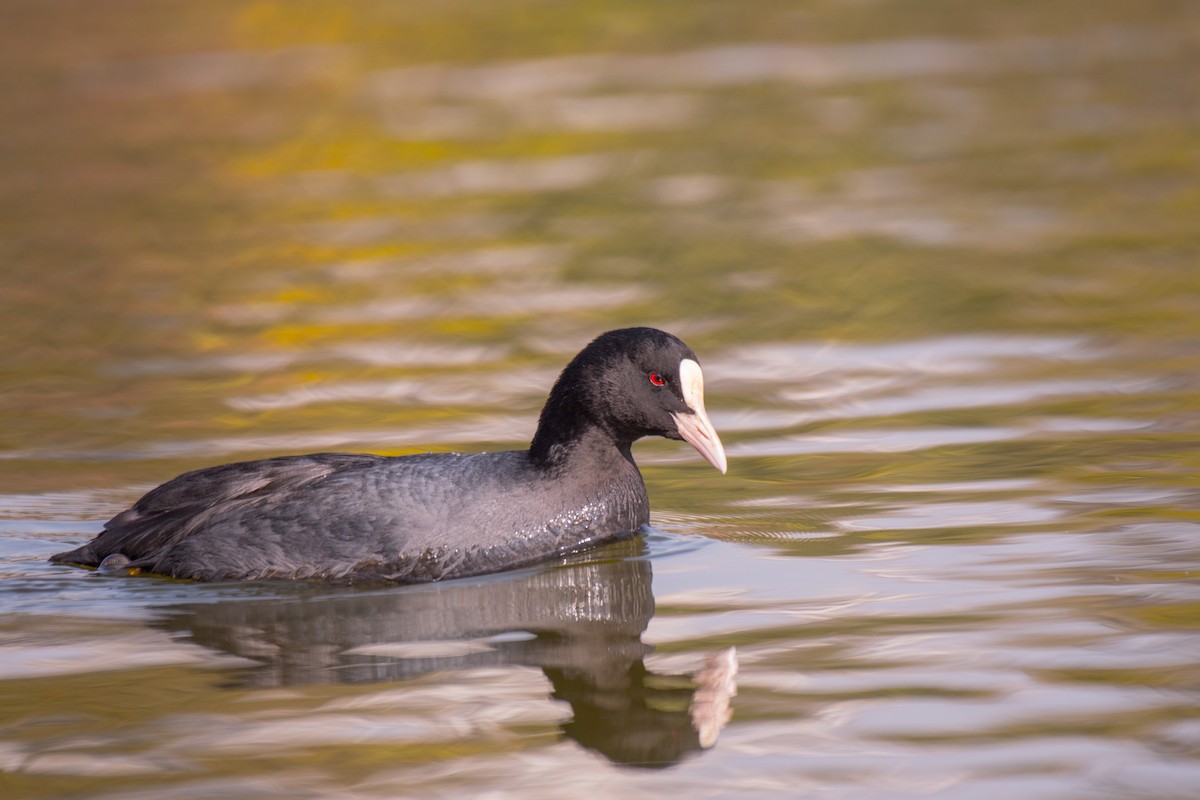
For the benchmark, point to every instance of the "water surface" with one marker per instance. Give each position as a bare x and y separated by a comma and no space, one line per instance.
940,263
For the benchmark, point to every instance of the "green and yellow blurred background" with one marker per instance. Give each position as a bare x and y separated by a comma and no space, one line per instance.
941,261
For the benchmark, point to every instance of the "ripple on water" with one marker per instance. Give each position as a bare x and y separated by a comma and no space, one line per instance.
740,64
524,176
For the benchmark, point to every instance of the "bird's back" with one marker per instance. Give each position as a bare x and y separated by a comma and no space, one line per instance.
350,517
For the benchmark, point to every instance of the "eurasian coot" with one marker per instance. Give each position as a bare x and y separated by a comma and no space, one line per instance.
363,518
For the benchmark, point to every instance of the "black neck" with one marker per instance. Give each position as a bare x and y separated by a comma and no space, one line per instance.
564,438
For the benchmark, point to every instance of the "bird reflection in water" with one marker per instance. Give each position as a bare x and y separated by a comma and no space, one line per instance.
581,624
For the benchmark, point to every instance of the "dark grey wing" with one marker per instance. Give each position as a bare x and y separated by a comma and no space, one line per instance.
170,513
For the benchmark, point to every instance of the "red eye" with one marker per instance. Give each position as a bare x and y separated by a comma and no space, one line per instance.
657,379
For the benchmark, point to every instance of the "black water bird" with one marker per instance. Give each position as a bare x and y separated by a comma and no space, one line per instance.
347,517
